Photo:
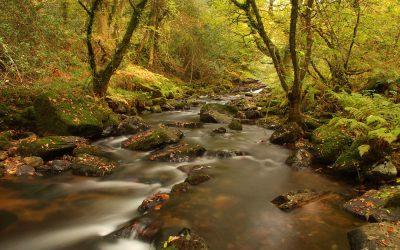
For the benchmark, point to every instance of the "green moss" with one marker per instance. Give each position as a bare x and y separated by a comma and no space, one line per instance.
152,139
92,166
88,150
235,125
72,113
220,108
48,147
5,138
329,142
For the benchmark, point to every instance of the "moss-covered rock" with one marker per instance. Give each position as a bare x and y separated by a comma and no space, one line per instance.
128,125
72,115
375,236
178,153
271,122
5,138
92,166
197,178
296,199
287,133
381,172
180,188
153,202
355,160
49,147
376,205
185,240
235,125
88,149
217,113
299,159
153,139
191,125
329,143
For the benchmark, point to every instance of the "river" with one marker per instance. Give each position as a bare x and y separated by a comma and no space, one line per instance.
231,211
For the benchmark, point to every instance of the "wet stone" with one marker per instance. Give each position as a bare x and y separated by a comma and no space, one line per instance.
375,236
382,172
297,199
185,240
49,147
33,161
300,159
3,155
56,166
220,130
153,203
193,169
377,205
93,166
225,153
153,139
191,125
198,178
145,227
25,170
235,125
178,153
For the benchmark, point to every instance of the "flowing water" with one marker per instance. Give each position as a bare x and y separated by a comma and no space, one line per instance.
231,211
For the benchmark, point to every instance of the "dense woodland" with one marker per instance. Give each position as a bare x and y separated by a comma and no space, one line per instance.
323,74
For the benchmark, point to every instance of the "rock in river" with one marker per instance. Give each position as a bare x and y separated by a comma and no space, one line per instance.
300,159
154,202
375,236
153,139
182,152
377,205
88,165
300,198
217,113
49,147
184,240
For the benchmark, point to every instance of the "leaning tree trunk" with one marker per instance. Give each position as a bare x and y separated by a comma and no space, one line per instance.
101,78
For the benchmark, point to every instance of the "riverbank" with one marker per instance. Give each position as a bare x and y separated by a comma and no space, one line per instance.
326,143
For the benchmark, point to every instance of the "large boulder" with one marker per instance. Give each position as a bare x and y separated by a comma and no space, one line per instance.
129,125
217,113
88,149
153,139
287,133
300,159
382,172
375,236
93,166
182,152
5,138
361,156
235,125
72,115
49,147
191,125
329,143
377,205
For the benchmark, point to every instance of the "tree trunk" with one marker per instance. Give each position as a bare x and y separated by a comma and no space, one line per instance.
294,96
102,77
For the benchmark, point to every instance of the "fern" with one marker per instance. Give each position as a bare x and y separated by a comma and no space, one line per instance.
372,115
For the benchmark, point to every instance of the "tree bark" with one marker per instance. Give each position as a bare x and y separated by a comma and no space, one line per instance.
101,78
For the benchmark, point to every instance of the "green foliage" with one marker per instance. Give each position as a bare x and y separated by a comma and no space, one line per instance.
375,116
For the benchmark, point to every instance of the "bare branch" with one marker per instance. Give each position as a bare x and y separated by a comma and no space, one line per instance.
84,7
